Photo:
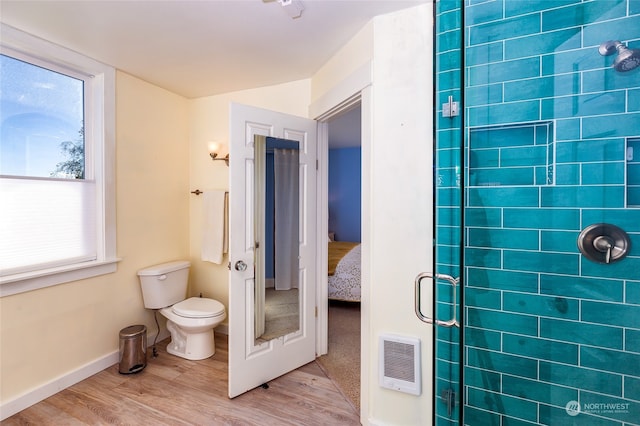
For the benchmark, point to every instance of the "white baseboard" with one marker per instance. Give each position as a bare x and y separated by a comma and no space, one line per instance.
26,400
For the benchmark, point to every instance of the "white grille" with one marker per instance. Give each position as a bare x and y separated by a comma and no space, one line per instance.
399,365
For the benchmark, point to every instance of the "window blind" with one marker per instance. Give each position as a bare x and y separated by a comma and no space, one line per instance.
46,223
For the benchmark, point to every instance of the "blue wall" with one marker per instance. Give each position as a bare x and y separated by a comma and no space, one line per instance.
345,193
548,124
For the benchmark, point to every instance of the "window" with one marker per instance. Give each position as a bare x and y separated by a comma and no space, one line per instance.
57,222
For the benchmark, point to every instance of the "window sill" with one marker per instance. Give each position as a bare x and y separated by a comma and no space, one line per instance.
21,283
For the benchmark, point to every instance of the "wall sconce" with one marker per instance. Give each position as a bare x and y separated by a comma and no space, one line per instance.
214,150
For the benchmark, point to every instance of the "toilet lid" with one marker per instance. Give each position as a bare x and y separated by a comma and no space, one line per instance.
198,307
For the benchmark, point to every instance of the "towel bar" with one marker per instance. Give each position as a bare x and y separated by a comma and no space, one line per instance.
198,192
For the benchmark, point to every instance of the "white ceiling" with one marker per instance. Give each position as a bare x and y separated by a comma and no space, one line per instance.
200,48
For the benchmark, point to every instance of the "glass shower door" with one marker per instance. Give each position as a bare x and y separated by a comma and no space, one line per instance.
538,212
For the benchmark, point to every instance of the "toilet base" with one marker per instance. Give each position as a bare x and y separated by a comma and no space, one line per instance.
194,346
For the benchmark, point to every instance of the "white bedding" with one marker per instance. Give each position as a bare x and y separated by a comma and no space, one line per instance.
345,283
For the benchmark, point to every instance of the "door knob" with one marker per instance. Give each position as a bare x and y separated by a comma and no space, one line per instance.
240,266
603,243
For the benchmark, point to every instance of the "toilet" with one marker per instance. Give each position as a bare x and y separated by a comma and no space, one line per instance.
190,321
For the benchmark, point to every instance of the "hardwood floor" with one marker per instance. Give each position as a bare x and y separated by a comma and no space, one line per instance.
176,391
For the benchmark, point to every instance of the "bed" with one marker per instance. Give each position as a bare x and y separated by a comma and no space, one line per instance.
344,271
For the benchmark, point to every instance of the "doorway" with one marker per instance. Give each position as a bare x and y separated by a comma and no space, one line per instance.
342,361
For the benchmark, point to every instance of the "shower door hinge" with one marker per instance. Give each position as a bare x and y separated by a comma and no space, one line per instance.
451,108
449,398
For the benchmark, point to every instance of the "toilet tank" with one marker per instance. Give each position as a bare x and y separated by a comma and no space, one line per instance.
164,284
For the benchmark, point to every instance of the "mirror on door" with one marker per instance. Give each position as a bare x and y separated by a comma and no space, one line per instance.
277,233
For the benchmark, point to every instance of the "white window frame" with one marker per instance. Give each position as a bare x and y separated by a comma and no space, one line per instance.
102,140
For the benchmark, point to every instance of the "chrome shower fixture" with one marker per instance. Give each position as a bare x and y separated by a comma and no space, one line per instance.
627,60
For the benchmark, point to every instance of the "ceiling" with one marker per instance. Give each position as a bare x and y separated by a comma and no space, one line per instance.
206,47
201,48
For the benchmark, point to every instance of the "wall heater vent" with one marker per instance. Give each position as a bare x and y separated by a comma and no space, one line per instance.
399,366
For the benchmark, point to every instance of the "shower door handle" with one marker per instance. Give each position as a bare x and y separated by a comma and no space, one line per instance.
454,283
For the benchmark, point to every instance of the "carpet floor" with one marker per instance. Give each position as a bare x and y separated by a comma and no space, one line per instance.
342,362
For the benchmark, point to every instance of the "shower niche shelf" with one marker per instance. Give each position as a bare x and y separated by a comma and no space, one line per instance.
512,155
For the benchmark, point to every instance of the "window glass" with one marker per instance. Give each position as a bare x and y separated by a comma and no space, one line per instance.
41,122
57,164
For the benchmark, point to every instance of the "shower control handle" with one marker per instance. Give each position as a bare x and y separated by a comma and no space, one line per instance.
603,243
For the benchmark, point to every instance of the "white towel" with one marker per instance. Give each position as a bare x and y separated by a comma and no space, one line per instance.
214,226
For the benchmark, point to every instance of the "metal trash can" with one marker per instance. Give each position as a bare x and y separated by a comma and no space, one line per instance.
133,349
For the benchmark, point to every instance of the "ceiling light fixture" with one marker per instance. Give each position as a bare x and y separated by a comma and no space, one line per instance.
293,8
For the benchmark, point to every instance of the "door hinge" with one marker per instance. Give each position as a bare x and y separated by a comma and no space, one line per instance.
317,167
451,108
316,312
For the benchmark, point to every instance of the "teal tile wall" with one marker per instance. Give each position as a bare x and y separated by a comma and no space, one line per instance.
582,333
552,145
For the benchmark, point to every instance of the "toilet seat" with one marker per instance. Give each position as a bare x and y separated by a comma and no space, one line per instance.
198,307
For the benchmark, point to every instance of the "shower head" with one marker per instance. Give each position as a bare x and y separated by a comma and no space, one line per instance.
627,60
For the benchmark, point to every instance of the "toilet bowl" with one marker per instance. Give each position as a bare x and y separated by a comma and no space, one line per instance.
191,323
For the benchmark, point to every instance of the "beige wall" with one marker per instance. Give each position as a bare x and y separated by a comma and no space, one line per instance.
209,121
51,332
400,201
353,55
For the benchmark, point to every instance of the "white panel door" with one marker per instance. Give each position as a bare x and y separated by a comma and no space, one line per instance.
251,364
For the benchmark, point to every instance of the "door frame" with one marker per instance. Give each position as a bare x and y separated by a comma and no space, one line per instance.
354,89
